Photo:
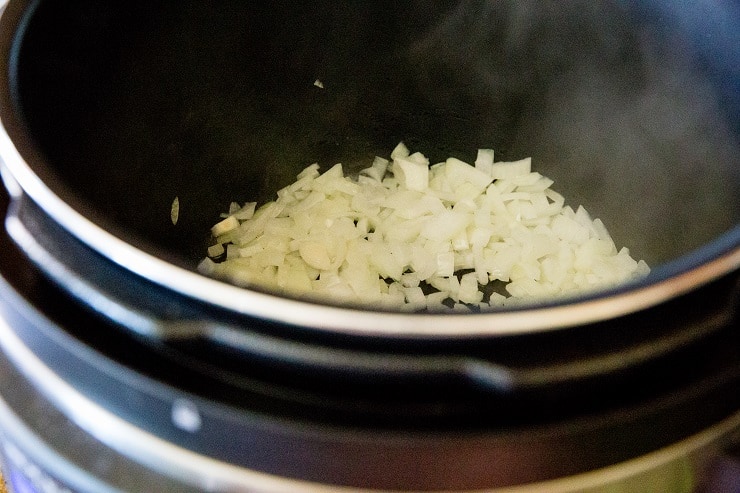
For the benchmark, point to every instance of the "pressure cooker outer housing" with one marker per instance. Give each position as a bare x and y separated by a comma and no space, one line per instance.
111,110
88,389
107,402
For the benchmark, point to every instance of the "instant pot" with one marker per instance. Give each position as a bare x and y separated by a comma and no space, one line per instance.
123,369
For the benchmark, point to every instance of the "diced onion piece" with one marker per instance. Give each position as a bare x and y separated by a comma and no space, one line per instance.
435,301
503,170
311,170
216,250
484,161
207,267
399,151
457,172
445,226
469,292
315,255
222,227
570,230
245,212
328,176
445,264
175,210
377,170
412,175
419,158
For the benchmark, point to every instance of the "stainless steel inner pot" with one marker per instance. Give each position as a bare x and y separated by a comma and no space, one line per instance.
110,111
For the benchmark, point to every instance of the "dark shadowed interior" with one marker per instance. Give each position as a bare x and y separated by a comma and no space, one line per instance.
629,106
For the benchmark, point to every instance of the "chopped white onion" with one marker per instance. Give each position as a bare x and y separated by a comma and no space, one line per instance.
409,236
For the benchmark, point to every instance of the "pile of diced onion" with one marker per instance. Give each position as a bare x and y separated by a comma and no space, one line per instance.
405,235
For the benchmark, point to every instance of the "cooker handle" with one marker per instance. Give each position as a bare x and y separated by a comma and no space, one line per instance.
100,284
142,307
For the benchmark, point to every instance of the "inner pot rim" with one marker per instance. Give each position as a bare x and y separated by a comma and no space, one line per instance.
666,281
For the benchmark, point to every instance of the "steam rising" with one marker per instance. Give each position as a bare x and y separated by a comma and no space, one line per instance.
617,100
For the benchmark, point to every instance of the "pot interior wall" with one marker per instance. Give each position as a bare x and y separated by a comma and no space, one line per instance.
625,105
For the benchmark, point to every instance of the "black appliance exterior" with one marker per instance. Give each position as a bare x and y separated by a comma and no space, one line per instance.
310,434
